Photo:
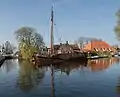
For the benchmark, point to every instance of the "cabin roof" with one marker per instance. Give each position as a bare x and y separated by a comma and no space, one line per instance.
56,47
73,46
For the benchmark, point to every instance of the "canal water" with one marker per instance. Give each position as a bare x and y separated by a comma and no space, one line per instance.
97,78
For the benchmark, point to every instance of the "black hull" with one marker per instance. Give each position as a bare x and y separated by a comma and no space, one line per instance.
46,60
74,56
59,59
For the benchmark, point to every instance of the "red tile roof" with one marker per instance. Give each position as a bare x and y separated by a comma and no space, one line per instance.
97,44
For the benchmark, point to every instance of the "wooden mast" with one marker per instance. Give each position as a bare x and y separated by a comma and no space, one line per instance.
52,51
51,34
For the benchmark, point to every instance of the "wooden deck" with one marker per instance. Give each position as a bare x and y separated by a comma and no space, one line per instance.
71,56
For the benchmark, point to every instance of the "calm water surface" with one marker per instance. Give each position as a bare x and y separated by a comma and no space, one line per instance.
98,78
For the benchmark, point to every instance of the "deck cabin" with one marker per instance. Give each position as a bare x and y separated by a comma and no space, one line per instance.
65,48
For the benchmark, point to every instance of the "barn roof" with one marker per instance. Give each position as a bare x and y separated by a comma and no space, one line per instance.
97,44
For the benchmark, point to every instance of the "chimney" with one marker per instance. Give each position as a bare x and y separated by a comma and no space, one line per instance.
66,42
60,44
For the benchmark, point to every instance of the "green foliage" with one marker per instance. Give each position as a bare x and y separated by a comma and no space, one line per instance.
29,42
117,28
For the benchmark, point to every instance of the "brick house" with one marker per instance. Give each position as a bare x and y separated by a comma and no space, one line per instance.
98,45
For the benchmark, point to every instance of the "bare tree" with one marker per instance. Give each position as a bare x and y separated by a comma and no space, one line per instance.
9,48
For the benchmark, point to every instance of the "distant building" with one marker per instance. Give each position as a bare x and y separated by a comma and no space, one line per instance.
98,45
116,47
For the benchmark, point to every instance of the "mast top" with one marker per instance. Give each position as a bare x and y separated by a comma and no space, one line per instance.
52,7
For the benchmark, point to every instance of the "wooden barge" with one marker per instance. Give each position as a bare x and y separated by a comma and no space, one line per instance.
59,53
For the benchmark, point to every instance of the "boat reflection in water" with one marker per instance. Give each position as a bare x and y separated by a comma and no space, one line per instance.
93,65
68,67
29,76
